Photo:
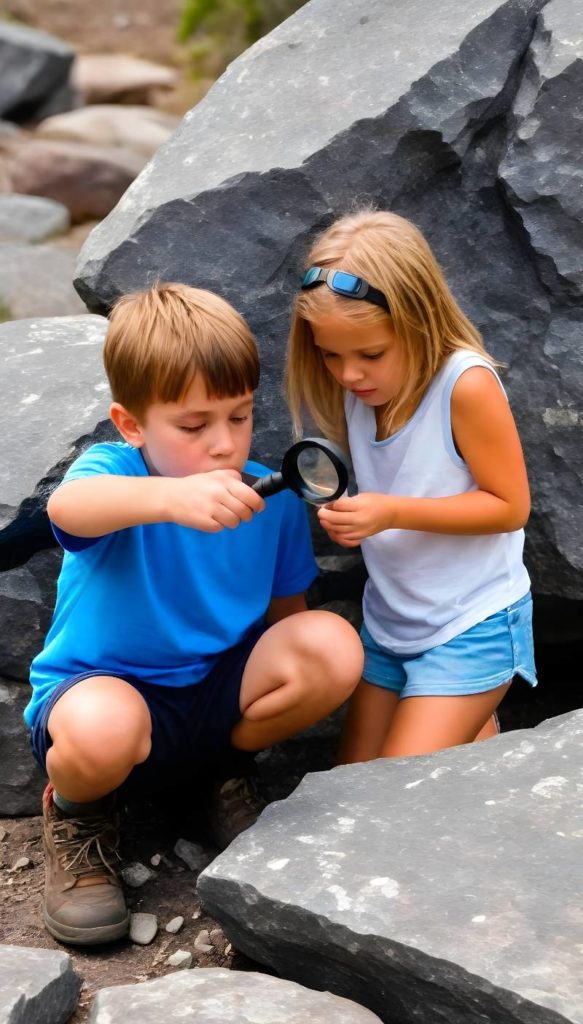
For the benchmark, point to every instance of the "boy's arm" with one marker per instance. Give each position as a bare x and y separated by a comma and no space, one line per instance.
281,607
96,505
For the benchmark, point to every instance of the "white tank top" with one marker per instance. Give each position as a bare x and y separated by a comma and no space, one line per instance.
425,588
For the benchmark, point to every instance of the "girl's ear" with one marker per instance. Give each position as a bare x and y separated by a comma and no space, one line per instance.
127,425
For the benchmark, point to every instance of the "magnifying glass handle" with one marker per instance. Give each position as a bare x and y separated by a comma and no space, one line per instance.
268,485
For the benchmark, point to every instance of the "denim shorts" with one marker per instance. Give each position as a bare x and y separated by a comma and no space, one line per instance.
485,656
191,725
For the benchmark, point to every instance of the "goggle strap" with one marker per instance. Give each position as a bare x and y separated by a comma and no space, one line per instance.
366,290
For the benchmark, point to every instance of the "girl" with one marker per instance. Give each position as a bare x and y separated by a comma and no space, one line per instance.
383,358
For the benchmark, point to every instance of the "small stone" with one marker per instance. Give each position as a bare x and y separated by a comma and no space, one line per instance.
202,942
155,860
22,862
175,925
137,874
197,914
192,854
217,937
143,928
181,959
228,949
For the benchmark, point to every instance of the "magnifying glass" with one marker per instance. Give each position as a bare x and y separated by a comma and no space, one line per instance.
314,468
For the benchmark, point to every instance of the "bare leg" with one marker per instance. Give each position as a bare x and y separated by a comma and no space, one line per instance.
100,729
421,725
490,729
300,670
367,723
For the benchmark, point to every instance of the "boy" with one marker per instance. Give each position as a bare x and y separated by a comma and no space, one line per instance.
180,633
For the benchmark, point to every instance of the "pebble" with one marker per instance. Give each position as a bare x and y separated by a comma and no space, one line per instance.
217,937
155,860
197,914
22,862
192,854
143,928
175,925
181,958
202,942
137,874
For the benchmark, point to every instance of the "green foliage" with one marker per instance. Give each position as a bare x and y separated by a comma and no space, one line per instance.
219,30
5,312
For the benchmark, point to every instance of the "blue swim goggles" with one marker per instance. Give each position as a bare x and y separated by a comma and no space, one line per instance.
346,284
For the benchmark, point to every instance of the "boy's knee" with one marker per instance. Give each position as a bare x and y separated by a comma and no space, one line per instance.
92,739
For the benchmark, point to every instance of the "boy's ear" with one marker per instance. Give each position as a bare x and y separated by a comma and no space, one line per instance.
127,425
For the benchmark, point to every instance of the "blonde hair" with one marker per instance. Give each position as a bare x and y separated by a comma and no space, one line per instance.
159,339
391,254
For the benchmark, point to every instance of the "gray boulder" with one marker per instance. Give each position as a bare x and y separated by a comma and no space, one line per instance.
31,218
21,782
426,888
37,282
27,598
206,996
37,986
34,71
55,402
428,112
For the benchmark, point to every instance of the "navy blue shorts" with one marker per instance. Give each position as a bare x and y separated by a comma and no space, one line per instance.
191,725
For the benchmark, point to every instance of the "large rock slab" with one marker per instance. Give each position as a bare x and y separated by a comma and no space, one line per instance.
430,888
21,781
55,401
37,986
34,67
206,996
415,108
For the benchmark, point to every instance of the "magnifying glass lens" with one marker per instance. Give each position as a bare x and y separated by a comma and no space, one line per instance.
318,473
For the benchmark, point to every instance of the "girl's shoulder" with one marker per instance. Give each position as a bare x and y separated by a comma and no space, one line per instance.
458,362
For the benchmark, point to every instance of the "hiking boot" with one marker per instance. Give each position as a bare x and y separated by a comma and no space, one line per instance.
235,805
84,903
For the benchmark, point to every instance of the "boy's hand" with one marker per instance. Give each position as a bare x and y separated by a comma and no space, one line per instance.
212,501
347,521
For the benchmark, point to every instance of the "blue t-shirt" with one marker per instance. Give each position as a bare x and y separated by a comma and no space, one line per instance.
161,602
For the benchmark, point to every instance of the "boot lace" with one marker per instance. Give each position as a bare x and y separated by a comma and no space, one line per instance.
86,847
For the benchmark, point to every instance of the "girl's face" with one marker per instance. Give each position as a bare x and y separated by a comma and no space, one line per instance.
366,360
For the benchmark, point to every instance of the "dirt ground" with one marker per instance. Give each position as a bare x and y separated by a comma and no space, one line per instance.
148,830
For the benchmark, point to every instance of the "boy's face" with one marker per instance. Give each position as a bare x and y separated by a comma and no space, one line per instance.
197,434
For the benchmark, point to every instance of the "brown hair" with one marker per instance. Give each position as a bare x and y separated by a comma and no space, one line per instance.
392,255
159,339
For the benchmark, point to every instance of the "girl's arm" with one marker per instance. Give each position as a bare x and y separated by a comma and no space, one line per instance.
96,505
486,437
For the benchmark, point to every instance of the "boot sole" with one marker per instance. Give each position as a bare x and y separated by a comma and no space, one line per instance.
86,936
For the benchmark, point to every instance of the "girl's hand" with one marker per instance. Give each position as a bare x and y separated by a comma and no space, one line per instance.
347,521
